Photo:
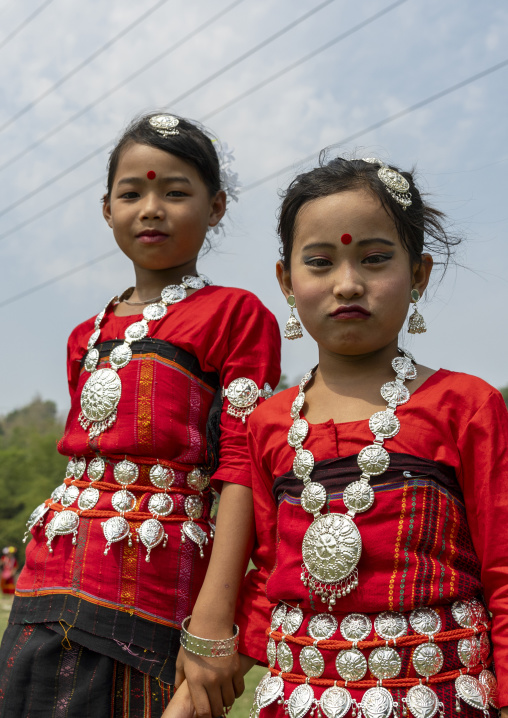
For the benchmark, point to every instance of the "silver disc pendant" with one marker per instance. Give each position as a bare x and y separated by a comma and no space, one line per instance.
198,479
356,627
154,312
126,472
331,548
463,614
312,662
485,647
137,331
479,611
194,507
358,496
395,392
469,651
66,522
88,499
151,533
96,469
57,493
161,477
298,433
300,701
428,659
377,703
373,460
284,657
115,529
70,495
269,690
335,702
384,424
271,652
196,534
69,470
100,315
278,615
322,626
160,505
472,691
93,338
384,662
297,405
123,501
120,356
37,515
489,682
303,464
173,293
92,359
390,624
193,282
404,367
422,701
101,394
79,468
313,497
292,621
425,621
351,664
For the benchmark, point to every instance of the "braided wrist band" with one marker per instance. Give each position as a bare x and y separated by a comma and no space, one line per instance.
209,647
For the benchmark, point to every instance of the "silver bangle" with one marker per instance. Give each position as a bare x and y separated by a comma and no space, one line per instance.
209,647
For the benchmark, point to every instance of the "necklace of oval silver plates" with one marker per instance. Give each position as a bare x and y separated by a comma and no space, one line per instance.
332,544
103,388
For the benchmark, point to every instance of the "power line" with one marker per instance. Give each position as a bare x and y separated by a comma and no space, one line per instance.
67,273
273,175
106,95
25,22
81,65
302,60
181,97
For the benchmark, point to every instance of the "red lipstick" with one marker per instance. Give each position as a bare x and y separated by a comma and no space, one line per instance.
350,311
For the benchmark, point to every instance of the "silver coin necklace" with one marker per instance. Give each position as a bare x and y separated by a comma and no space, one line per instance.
332,544
103,388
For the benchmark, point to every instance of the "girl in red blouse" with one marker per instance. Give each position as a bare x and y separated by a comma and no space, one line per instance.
162,381
379,485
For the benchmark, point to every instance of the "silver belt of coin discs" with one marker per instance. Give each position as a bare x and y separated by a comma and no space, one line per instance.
151,533
383,662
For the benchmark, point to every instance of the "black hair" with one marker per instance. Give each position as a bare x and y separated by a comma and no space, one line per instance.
419,226
191,144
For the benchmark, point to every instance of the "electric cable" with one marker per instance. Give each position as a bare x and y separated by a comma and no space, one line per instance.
204,26
273,175
23,24
181,97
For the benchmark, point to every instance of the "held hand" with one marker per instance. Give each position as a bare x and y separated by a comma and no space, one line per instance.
180,673
214,683
181,705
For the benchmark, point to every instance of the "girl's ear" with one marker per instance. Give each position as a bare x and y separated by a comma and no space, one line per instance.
217,208
284,279
106,210
421,273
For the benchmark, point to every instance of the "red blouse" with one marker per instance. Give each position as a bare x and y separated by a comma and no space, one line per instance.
162,415
416,547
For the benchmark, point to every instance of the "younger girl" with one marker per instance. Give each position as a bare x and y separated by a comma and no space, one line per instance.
379,485
162,382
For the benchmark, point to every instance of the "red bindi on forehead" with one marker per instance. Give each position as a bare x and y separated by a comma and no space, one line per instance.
151,174
346,239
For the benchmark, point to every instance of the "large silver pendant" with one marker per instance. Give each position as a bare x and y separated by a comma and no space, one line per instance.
196,534
312,662
331,548
489,682
335,702
351,664
116,529
268,691
422,701
377,703
428,659
151,533
36,516
322,626
300,701
66,522
100,395
472,692
385,662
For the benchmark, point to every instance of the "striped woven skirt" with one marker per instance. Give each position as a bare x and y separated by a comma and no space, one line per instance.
45,676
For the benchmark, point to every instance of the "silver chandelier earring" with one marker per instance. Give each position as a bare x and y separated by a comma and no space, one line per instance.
416,323
293,329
